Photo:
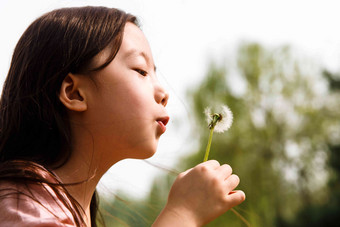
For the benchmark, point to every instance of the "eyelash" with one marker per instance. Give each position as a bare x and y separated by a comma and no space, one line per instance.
141,72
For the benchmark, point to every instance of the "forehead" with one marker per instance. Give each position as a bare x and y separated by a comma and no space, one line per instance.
134,42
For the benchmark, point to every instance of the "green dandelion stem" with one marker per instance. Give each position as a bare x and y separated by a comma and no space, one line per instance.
207,150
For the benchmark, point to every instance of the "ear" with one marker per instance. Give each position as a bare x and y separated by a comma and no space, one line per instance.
71,93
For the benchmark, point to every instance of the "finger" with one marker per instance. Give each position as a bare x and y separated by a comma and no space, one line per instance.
224,171
210,164
234,191
231,182
235,198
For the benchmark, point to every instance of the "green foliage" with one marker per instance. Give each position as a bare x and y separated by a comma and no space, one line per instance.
278,143
284,120
325,213
123,211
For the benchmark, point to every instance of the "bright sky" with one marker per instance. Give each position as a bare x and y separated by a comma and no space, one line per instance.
184,35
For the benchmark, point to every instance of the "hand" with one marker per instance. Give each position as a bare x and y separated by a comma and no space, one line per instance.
201,194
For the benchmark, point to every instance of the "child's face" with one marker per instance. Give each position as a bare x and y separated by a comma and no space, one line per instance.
127,105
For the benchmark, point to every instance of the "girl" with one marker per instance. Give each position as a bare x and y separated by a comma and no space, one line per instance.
82,94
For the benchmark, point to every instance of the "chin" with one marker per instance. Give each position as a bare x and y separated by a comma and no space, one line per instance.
146,153
142,150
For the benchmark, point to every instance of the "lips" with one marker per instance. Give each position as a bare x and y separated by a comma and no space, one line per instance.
162,122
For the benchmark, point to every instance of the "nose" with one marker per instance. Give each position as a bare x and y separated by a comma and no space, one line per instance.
161,95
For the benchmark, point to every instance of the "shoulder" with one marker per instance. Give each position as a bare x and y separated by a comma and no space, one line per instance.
32,205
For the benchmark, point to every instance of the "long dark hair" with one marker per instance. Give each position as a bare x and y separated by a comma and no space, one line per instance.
34,126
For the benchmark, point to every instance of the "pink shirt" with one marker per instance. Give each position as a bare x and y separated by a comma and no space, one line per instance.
33,207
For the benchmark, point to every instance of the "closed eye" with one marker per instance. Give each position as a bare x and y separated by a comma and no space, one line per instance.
141,72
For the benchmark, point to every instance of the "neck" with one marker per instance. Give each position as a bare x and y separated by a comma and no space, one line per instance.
85,168
84,177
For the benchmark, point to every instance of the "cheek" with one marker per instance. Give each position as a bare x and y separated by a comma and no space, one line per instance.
123,118
135,100
125,112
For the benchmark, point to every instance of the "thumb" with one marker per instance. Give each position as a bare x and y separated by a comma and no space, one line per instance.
185,172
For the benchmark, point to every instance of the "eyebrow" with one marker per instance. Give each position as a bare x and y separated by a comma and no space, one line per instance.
134,52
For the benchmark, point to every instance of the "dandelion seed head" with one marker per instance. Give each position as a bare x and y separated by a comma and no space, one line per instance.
225,121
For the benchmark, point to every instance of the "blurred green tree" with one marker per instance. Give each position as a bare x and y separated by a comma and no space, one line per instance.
286,113
326,212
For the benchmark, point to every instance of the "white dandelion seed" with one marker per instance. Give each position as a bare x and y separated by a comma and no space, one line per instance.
208,115
227,120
